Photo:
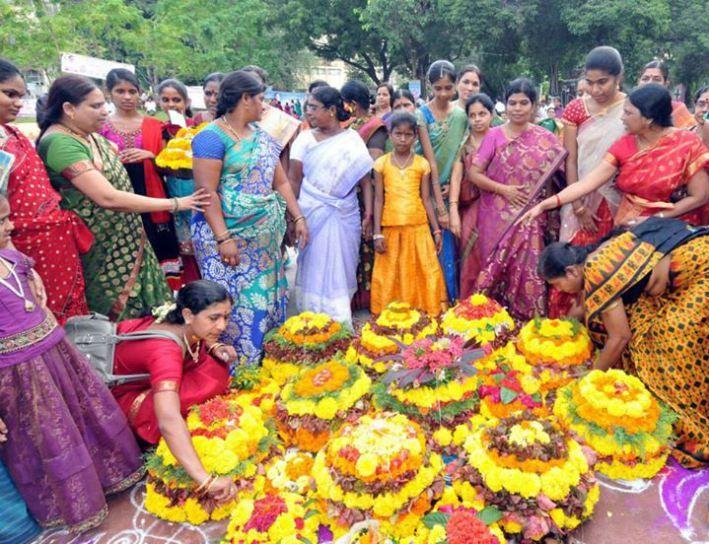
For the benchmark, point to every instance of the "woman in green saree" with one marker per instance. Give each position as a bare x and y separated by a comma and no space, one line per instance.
443,130
123,277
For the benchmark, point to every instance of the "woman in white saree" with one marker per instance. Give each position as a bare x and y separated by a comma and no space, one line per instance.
326,164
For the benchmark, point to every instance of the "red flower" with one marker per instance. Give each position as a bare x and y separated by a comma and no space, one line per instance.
265,512
464,527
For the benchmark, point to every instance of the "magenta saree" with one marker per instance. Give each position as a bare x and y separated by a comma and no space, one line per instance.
509,252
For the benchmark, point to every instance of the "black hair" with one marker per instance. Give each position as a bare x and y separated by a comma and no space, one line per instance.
390,89
605,58
524,86
217,77
234,86
72,89
402,118
654,102
697,95
440,69
40,106
317,83
8,70
329,97
403,93
115,76
469,68
660,65
197,296
481,98
181,89
357,92
260,72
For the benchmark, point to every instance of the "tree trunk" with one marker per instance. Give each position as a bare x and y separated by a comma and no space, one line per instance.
554,80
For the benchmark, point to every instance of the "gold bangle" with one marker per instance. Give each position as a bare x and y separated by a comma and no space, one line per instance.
223,236
214,346
226,240
175,205
580,209
207,482
299,218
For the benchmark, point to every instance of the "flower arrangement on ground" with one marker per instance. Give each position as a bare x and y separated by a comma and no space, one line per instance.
434,382
526,467
559,350
478,319
453,521
614,414
251,384
377,468
314,403
283,518
399,324
290,472
305,339
507,385
177,154
231,439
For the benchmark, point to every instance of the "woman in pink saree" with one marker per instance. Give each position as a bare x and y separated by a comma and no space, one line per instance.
512,167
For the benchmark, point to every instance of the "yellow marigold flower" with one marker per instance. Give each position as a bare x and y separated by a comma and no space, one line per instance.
326,408
443,436
367,464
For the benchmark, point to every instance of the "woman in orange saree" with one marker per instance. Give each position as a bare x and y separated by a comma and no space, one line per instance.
661,170
645,303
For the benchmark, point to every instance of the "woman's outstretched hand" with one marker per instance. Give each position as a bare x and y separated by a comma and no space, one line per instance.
197,201
531,214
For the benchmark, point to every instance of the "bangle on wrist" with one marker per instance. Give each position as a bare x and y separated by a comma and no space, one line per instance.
223,236
378,237
204,486
175,205
437,232
451,202
299,218
558,200
226,240
214,346
580,209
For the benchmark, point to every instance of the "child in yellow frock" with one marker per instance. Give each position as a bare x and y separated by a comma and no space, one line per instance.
406,267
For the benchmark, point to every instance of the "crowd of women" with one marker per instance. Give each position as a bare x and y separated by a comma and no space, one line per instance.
383,201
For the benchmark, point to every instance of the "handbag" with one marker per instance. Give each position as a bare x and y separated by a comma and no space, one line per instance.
95,336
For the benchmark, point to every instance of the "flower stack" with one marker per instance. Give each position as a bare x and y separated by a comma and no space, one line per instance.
283,518
316,402
559,350
507,385
478,319
177,154
453,521
399,324
304,340
532,472
434,383
231,439
251,384
615,415
377,468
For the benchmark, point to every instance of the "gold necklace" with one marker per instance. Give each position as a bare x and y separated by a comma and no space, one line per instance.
406,162
194,354
231,129
19,291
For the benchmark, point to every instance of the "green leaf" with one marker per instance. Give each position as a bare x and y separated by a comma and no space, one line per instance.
489,515
303,539
537,397
310,513
436,518
507,395
498,378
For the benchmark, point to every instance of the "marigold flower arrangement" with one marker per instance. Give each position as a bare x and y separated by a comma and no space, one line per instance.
318,400
251,384
453,521
560,350
290,472
532,472
177,154
399,324
507,385
614,414
377,468
231,439
283,518
479,319
305,339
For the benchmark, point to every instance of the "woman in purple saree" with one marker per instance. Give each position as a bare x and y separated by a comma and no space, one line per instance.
512,169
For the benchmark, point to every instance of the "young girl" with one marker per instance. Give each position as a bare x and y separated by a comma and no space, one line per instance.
443,128
405,266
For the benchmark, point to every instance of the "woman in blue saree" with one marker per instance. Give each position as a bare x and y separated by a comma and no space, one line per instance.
237,239
443,130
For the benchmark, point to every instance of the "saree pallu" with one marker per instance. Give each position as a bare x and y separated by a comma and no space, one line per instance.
255,217
69,443
447,139
52,237
18,527
509,252
326,278
469,251
648,178
668,349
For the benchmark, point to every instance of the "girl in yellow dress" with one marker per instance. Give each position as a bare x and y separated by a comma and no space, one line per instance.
406,267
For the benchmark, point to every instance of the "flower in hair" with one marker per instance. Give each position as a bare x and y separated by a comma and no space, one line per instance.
160,312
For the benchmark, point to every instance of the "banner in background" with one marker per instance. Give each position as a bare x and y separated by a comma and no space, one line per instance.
92,67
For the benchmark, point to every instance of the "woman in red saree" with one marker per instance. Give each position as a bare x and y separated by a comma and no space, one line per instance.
52,237
373,132
181,375
661,170
512,169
